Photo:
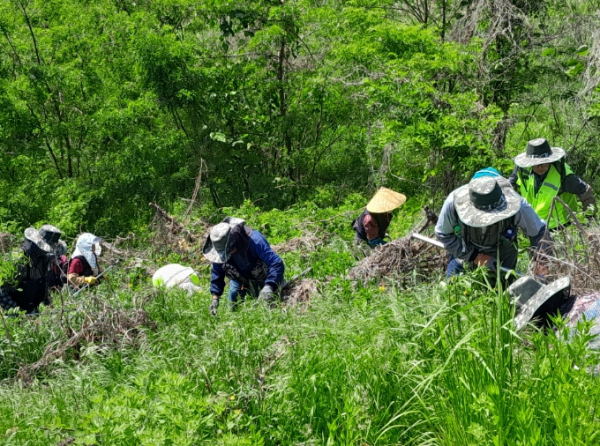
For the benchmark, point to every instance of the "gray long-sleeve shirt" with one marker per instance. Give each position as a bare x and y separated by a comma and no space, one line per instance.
526,219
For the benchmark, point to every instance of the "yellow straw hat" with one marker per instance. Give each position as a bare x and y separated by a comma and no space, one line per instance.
385,200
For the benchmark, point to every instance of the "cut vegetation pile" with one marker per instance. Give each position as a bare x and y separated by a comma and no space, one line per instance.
400,258
577,255
301,292
103,326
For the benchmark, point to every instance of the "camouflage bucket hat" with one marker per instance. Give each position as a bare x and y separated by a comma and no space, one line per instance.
538,152
46,238
485,201
534,299
219,242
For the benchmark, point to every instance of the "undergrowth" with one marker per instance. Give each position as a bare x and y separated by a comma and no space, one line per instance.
382,364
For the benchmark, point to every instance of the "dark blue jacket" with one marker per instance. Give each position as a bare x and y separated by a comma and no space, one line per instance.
254,261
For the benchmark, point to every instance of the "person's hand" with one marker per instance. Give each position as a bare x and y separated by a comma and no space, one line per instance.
266,294
90,280
214,305
485,260
541,270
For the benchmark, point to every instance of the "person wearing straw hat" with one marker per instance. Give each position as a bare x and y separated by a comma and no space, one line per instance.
83,266
541,174
30,287
479,222
244,256
371,226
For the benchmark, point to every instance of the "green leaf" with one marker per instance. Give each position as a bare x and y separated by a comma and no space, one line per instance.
583,50
218,136
547,52
575,70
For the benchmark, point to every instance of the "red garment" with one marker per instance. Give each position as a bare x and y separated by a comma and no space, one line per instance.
371,227
75,267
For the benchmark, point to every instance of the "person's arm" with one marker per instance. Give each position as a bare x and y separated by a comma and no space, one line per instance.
261,248
533,227
74,274
445,232
575,185
217,280
371,227
372,231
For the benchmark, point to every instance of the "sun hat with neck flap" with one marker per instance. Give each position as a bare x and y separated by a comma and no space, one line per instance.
222,238
485,201
538,152
46,238
385,200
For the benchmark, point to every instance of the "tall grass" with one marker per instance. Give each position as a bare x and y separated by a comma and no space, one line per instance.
375,365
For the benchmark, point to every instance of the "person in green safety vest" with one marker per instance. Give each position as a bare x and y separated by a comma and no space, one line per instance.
541,174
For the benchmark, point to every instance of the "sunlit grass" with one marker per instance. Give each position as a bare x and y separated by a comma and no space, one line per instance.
375,365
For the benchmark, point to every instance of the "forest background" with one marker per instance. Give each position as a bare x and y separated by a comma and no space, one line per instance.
288,114
106,105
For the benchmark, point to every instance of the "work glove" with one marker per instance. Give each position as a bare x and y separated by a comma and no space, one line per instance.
376,242
266,294
90,280
214,305
485,260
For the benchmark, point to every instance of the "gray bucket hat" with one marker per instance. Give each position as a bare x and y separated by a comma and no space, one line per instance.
534,299
46,238
538,152
219,242
485,201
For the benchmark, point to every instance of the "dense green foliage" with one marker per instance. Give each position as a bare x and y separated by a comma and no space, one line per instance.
110,104
307,106
358,365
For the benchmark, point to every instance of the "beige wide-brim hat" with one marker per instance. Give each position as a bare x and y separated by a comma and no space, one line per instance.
537,152
534,299
485,201
385,200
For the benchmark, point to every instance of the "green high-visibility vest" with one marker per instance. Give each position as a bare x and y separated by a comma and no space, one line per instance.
542,201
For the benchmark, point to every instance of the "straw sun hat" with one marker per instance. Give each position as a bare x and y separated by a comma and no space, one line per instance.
385,200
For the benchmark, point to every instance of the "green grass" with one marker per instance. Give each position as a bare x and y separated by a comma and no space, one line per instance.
429,365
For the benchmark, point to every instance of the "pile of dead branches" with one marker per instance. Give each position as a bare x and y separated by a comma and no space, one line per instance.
301,292
577,255
403,257
172,235
105,327
309,242
399,259
6,241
